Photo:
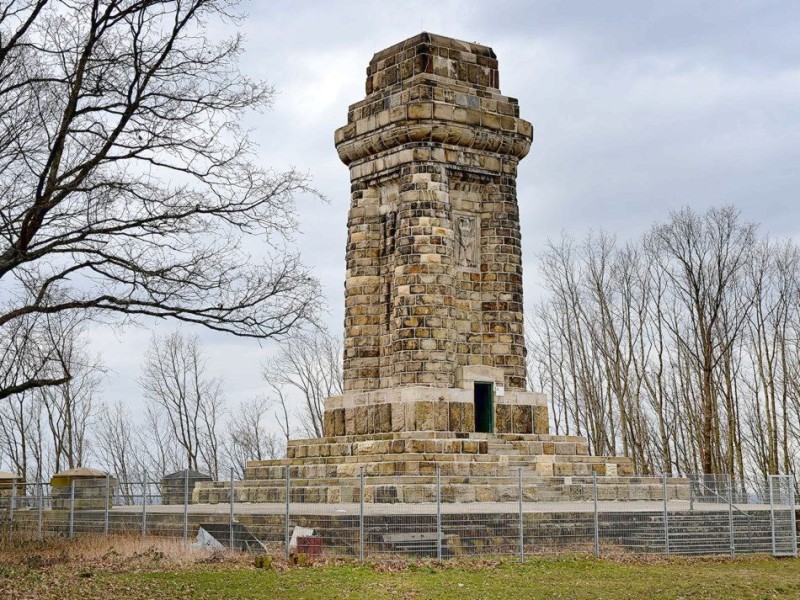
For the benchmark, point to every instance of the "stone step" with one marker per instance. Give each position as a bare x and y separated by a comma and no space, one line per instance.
422,467
443,435
583,483
417,468
440,447
517,460
423,489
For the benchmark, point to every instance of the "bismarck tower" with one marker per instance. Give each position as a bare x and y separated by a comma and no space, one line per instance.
433,291
434,350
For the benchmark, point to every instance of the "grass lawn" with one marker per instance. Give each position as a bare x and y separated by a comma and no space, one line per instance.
129,569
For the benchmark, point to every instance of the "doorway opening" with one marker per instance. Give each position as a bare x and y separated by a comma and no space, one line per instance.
484,407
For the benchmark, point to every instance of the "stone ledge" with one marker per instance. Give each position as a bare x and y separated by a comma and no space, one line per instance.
503,142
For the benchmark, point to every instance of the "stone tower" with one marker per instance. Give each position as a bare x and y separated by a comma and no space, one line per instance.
434,356
433,288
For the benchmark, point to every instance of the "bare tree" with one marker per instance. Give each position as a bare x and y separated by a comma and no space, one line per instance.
116,446
21,435
308,363
35,350
184,398
680,347
69,407
48,425
160,449
248,436
282,415
705,256
126,182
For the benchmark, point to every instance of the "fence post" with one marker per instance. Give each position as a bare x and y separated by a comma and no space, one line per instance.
361,518
71,508
108,501
730,517
288,494
11,507
793,518
666,515
439,512
521,523
771,514
230,532
40,486
186,506
144,504
596,518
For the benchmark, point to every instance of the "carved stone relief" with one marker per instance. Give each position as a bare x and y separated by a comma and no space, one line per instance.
467,241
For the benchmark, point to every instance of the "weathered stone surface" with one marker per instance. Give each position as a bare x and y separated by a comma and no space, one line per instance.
521,417
398,416
456,416
361,419
441,408
541,422
425,418
328,423
384,417
339,422
470,447
468,418
503,418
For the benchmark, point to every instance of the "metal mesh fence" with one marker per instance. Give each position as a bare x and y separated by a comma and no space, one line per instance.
373,516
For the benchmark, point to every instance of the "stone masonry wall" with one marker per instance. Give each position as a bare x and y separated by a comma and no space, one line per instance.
434,275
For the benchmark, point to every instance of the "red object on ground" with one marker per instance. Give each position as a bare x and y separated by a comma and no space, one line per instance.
309,545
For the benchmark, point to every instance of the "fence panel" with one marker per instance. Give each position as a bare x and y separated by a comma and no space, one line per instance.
373,515
782,510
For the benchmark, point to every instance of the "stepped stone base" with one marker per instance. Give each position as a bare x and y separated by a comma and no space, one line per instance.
402,467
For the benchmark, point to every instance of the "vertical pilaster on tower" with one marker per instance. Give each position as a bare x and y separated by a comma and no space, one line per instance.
433,288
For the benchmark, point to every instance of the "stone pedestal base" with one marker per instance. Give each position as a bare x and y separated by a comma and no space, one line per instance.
402,467
431,409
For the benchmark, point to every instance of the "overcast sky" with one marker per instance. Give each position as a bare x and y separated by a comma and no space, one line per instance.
638,108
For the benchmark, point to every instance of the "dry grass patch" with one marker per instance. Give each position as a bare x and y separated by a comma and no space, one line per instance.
132,567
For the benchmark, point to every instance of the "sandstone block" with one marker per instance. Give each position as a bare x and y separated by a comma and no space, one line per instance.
541,422
441,409
419,493
562,469
606,492
470,447
425,418
328,424
361,419
485,493
565,448
384,416
521,416
338,422
503,418
530,493
455,417
638,492
399,416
